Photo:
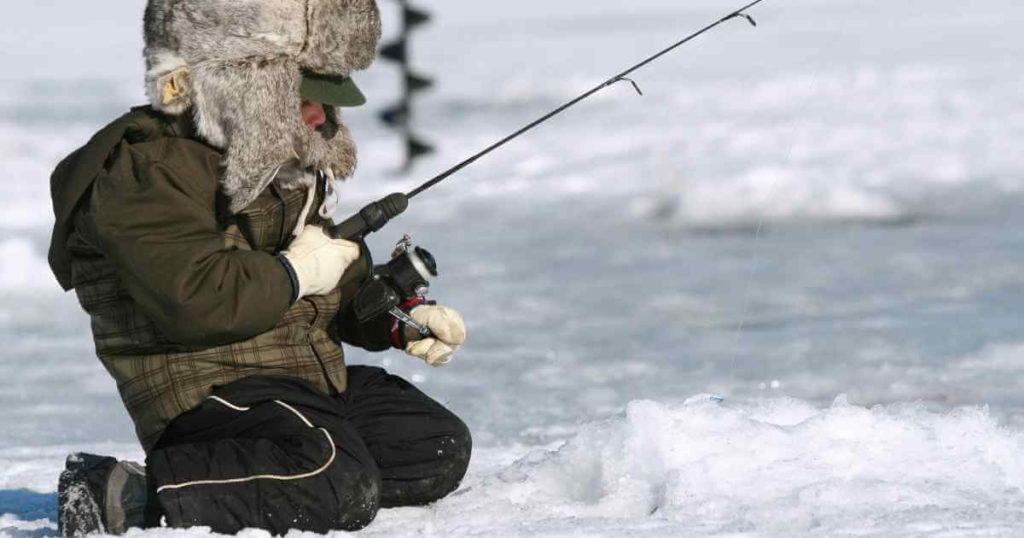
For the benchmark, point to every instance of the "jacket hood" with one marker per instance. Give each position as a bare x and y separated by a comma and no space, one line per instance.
74,176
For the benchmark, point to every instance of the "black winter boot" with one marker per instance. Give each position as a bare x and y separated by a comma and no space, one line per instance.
100,494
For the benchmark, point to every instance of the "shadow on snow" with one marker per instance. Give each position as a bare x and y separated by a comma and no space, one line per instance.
28,506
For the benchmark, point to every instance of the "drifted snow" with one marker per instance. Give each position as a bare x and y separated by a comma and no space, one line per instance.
775,467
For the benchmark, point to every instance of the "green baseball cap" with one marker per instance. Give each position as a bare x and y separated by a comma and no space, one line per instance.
330,90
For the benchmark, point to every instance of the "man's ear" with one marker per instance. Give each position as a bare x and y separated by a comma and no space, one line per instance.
172,93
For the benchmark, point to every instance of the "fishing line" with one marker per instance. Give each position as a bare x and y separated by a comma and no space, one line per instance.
811,90
374,216
740,13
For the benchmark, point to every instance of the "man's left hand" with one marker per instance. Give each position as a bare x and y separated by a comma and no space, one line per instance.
448,333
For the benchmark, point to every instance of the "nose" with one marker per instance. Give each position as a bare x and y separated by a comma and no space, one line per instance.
313,115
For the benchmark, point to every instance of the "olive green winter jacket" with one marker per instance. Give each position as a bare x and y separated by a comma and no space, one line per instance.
182,295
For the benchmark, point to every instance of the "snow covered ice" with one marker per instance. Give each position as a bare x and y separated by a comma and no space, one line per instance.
817,219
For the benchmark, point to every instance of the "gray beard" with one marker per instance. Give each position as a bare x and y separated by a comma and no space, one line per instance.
251,110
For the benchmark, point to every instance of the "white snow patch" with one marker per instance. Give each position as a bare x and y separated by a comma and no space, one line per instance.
774,467
36,468
24,268
779,193
29,154
11,522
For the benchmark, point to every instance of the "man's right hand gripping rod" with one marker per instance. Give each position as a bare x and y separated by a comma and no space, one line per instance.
405,280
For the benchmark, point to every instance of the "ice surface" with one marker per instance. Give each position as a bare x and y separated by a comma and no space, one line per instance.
827,204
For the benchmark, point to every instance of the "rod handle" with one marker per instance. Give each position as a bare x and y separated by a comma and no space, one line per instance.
371,218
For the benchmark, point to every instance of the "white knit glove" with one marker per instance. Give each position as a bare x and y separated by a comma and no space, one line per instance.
319,261
449,332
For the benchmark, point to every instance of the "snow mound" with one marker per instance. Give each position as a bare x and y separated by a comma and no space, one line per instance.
770,467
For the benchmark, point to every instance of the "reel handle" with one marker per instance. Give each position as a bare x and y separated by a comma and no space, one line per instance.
371,218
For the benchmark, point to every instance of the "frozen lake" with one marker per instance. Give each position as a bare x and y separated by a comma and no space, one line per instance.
817,219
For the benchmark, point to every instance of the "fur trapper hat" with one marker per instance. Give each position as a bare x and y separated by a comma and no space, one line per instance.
236,65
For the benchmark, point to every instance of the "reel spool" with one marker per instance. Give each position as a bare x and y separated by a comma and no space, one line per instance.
405,278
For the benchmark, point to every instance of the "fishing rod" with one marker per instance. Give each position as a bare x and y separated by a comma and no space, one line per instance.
374,216
406,278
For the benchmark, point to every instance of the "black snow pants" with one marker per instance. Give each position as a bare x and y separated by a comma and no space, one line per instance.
275,453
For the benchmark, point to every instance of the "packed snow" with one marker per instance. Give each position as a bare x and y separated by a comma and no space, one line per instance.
778,295
771,467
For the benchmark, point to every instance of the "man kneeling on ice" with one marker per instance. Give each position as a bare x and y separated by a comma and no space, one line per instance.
192,231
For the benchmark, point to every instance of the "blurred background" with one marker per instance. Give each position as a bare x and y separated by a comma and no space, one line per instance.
825,204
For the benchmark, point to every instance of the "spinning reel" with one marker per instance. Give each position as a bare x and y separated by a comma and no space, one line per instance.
397,286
